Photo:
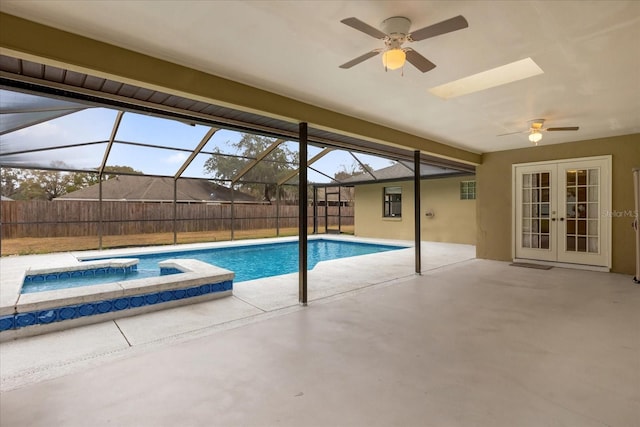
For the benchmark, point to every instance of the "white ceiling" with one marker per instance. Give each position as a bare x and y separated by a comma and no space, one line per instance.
589,52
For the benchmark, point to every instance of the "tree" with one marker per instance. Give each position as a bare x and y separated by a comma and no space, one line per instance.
81,180
24,184
355,169
10,179
262,180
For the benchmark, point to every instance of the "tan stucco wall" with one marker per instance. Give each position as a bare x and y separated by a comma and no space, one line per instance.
454,220
494,239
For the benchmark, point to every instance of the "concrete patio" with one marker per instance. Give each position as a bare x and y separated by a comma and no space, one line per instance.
469,342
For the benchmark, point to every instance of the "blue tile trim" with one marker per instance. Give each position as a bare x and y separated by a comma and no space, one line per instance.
60,314
101,271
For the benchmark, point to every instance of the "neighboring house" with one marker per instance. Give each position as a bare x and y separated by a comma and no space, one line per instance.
5,199
160,190
385,208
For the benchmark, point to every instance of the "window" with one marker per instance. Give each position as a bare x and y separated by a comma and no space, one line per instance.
392,202
468,190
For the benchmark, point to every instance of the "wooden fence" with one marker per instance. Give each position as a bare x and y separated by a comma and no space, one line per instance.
37,218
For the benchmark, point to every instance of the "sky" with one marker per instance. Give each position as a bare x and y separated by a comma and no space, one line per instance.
96,124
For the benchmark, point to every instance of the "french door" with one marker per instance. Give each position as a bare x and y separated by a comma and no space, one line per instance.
560,211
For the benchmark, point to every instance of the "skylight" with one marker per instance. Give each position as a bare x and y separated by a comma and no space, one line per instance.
498,76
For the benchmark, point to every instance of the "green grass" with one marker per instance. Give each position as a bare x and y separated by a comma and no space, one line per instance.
44,245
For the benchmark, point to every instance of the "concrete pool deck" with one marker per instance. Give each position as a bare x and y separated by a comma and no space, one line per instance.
251,301
468,343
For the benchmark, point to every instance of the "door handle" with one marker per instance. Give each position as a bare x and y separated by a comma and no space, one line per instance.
553,219
561,219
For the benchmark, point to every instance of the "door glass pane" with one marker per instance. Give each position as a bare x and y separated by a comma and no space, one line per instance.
593,228
582,244
571,243
526,225
526,240
526,196
544,241
582,177
571,226
544,179
526,181
534,241
593,193
582,194
544,226
593,245
544,210
544,196
582,227
593,210
594,176
582,210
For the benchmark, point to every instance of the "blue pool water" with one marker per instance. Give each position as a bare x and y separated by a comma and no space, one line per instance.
247,262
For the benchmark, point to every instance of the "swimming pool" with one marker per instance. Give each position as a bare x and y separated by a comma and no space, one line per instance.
247,262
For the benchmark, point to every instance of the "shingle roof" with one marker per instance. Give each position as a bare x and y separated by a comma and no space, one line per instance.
141,188
399,170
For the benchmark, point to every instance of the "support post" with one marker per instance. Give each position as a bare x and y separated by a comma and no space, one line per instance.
339,209
416,199
315,209
175,211
278,210
302,217
100,231
233,216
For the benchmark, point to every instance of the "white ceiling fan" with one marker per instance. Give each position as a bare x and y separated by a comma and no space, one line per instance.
535,130
395,33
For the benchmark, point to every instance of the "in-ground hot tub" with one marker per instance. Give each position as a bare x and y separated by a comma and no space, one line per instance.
183,281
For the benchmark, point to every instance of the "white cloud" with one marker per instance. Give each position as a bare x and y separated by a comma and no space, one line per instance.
177,158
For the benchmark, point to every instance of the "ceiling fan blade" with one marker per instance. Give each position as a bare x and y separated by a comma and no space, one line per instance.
562,128
419,61
360,59
446,26
513,133
364,27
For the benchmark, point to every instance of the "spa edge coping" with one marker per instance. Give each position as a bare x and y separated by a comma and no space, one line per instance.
194,273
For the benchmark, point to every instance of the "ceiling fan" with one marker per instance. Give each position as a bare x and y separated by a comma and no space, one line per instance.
535,129
395,32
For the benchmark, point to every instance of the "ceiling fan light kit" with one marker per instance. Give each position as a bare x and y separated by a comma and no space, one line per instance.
393,59
535,137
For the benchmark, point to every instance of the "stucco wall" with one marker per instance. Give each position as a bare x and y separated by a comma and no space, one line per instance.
494,239
454,220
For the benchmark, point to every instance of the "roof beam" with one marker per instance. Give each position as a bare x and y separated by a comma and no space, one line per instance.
195,152
257,160
107,151
363,166
309,162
